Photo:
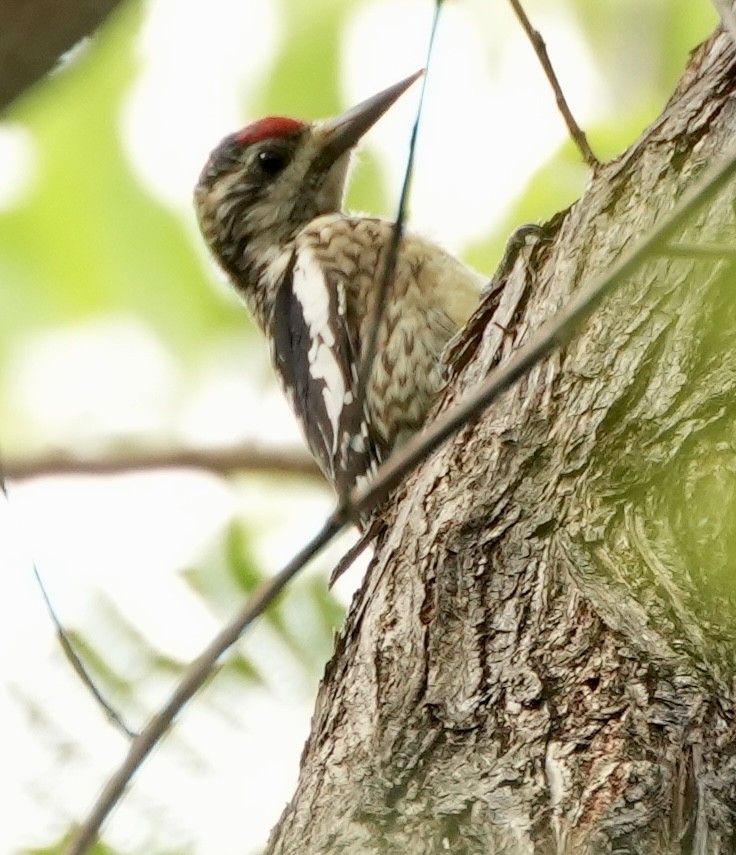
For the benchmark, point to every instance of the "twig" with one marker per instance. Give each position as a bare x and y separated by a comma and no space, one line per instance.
728,19
250,457
66,644
34,36
540,49
554,333
392,254
194,678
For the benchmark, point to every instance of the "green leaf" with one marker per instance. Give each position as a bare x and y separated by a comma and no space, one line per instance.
89,239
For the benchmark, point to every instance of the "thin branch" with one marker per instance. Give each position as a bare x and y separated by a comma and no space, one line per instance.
554,333
33,37
392,254
194,678
247,457
225,461
540,48
728,19
66,643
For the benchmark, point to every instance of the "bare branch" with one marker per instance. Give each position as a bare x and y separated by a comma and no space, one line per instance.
387,277
247,457
34,35
196,675
66,643
577,134
554,333
728,19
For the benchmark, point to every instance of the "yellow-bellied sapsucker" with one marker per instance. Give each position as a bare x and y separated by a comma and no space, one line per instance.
269,206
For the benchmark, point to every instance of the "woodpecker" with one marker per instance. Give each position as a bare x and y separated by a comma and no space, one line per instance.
269,205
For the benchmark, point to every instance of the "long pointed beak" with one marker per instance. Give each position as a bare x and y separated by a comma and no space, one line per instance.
342,133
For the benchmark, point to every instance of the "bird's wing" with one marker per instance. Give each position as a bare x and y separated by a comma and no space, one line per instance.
318,361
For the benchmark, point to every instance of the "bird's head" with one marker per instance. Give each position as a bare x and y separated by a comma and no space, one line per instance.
262,184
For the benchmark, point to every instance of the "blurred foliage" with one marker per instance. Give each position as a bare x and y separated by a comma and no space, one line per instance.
558,183
303,621
89,240
59,849
313,30
633,41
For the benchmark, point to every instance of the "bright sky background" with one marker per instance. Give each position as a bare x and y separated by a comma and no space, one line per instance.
131,536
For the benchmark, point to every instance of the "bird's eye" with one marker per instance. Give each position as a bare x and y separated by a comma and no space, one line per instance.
272,161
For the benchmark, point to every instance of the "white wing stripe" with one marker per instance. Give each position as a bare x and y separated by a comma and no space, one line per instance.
311,290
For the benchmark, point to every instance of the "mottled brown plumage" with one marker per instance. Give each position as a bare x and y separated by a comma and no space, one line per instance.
430,298
269,205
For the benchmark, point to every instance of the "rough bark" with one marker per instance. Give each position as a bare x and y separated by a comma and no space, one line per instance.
35,33
541,658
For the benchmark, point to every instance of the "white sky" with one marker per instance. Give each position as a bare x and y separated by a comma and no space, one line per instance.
130,537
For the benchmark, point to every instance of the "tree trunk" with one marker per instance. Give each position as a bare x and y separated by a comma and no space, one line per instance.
541,658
